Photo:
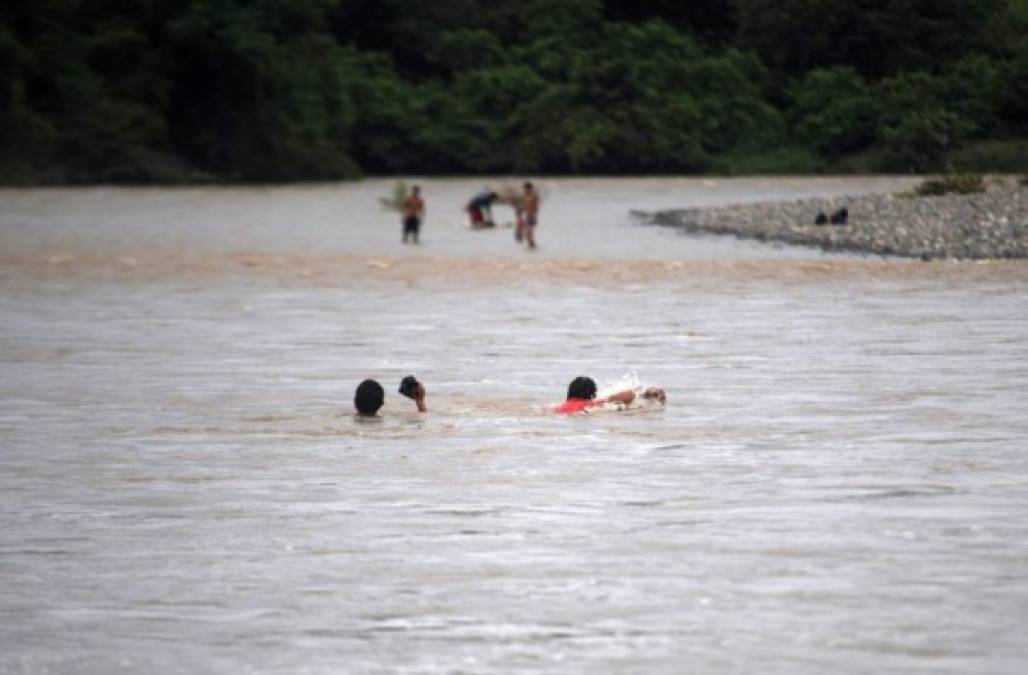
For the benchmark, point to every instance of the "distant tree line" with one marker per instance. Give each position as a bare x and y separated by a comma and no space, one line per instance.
265,90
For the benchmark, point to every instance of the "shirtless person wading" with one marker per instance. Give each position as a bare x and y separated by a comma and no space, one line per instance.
413,212
531,206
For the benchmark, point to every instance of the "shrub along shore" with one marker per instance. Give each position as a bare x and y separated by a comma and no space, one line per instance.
989,225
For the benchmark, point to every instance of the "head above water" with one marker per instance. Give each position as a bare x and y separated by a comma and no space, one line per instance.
582,387
529,187
369,397
409,386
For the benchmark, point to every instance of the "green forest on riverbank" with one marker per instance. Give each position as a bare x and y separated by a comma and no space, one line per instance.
139,91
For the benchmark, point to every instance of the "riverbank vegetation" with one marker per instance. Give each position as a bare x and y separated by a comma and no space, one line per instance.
272,90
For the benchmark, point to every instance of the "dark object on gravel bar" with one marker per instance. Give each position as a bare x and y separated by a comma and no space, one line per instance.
841,216
821,219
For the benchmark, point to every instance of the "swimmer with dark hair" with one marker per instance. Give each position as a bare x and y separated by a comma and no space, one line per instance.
414,390
582,396
370,396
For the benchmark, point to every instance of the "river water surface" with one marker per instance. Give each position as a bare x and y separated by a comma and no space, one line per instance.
838,483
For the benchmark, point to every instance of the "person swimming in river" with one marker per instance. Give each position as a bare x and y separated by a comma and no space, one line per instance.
479,210
582,397
370,396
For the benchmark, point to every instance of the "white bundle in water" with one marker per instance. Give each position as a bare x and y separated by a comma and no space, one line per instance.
511,196
628,381
394,201
646,396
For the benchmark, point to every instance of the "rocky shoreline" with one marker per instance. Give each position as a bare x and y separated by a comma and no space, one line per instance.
988,225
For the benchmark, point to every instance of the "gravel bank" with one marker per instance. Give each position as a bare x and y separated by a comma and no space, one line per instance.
990,225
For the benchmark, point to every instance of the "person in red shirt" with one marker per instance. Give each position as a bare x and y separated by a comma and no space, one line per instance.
582,396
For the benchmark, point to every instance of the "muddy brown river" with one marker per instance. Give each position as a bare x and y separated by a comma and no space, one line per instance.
838,482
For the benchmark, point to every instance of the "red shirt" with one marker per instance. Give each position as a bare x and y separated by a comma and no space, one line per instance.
576,405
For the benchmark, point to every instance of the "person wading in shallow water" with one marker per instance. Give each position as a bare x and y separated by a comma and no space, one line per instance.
479,210
370,396
530,205
582,396
413,212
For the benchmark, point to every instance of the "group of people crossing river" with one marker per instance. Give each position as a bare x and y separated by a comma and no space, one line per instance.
582,396
525,203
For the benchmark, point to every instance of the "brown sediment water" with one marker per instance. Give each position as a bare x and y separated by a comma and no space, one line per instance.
838,481
341,269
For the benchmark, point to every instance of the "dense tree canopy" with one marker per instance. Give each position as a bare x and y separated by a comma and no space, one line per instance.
173,90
